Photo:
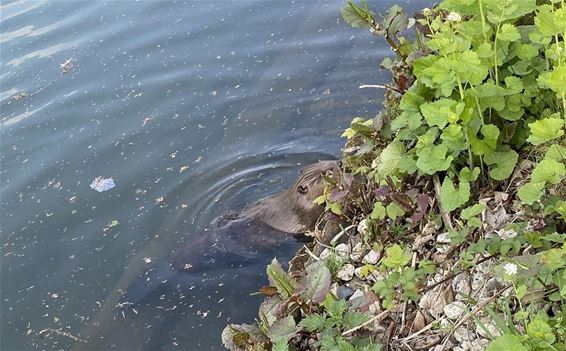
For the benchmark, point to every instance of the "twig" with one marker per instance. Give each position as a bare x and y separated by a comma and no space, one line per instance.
339,235
378,86
309,252
475,311
373,319
445,215
45,332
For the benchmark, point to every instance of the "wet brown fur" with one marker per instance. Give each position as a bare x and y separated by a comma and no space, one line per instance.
294,210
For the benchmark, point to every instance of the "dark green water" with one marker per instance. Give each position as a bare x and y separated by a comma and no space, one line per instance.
194,109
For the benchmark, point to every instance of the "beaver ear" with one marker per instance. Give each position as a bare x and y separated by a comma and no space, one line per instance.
302,189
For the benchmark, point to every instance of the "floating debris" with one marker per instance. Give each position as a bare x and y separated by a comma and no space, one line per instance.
102,184
66,66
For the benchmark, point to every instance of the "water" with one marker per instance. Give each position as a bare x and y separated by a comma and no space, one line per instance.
194,109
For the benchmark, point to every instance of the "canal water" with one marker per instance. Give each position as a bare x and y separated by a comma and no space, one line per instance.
192,109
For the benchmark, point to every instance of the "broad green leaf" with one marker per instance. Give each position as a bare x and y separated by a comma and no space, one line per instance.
467,175
317,282
527,52
472,211
396,257
545,21
502,163
557,81
394,211
545,130
556,152
531,192
282,329
433,159
441,112
470,67
507,342
540,331
554,259
549,170
357,16
378,211
390,157
453,137
508,32
354,319
488,142
452,198
280,279
280,345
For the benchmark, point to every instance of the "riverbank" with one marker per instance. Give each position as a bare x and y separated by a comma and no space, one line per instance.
446,229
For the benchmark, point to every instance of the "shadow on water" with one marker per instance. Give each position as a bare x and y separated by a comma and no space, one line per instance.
154,307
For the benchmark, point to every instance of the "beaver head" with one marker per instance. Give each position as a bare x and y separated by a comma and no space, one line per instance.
294,210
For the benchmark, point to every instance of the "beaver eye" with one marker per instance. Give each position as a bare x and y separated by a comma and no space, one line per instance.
302,189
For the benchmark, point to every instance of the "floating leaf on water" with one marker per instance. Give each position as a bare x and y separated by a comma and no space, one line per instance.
102,184
112,223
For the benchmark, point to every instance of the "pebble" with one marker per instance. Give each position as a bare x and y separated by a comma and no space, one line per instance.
454,309
363,227
343,250
344,292
356,294
371,258
357,252
346,273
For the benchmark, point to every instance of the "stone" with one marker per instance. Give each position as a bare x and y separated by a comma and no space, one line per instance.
454,310
357,252
343,292
346,273
371,258
343,250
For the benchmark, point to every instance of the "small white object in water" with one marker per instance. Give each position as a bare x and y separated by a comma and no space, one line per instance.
102,184
147,260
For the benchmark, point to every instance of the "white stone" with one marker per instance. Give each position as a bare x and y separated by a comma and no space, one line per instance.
357,252
454,310
346,273
343,250
371,257
462,334
357,293
325,254
363,227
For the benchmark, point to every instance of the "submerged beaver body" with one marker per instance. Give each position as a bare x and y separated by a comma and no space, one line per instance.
235,240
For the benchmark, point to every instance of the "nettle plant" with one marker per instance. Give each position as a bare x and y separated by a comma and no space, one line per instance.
489,89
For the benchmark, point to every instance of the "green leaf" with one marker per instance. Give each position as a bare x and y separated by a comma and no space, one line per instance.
502,162
470,67
540,331
545,130
354,319
490,134
452,198
313,322
394,211
453,137
548,170
396,257
507,342
378,211
317,282
433,159
472,211
554,259
280,279
508,32
356,16
390,157
282,329
545,21
527,52
280,345
531,192
557,81
467,175
556,152
441,112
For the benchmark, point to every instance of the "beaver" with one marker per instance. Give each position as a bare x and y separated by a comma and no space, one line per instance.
236,239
